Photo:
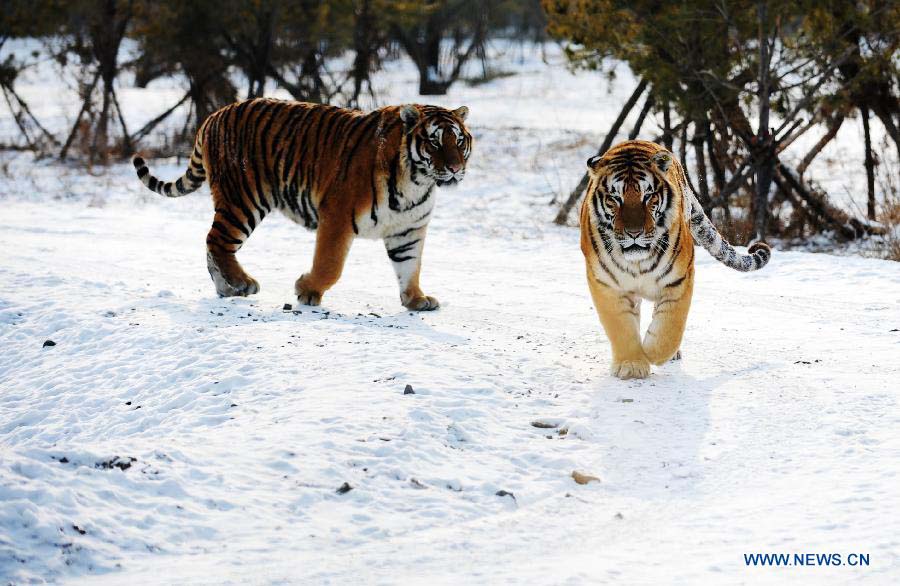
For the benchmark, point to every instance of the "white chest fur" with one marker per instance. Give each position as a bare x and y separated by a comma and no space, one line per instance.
409,206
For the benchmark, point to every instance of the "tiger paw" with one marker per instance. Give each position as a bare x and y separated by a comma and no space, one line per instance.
421,303
626,369
305,294
239,288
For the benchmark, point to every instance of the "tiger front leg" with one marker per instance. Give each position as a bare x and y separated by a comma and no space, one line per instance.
663,338
405,251
333,240
620,316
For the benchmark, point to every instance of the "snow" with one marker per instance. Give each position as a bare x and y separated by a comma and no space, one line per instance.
172,437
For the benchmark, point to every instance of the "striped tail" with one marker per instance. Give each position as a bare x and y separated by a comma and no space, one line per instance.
192,179
709,238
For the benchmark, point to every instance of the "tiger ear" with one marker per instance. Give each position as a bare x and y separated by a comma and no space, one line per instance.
410,115
462,112
594,163
662,160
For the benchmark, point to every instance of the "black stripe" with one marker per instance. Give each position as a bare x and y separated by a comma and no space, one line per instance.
674,256
246,110
142,172
310,172
393,201
396,253
607,243
224,234
405,232
421,201
297,177
258,155
192,178
289,128
232,219
676,282
374,212
422,217
661,249
602,282
364,130
600,259
263,160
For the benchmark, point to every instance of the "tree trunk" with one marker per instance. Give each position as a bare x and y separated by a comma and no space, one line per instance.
100,144
430,82
85,104
833,126
636,130
764,157
682,152
870,165
714,162
890,127
149,126
701,128
126,137
365,48
25,111
821,209
667,137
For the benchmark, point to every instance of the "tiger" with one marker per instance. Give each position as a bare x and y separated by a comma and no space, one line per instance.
638,229
339,172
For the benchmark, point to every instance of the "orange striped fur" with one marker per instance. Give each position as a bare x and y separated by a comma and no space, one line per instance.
343,173
638,227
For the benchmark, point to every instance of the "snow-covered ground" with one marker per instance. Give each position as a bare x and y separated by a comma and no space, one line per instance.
171,437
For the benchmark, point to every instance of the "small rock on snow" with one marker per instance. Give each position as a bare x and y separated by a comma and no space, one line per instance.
582,478
48,343
409,390
505,493
344,488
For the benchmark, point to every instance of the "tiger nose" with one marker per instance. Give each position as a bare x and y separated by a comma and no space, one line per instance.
633,233
454,167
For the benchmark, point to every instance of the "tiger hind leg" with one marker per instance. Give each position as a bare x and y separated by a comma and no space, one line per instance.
230,229
620,316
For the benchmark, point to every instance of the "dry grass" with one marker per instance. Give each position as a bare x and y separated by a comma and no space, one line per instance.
889,210
889,217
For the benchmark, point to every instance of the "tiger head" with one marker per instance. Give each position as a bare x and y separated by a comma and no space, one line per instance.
633,193
438,143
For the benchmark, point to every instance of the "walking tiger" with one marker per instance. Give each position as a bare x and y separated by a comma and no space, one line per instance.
638,227
340,172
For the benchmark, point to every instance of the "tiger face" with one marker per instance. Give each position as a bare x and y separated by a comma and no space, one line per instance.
438,143
632,197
